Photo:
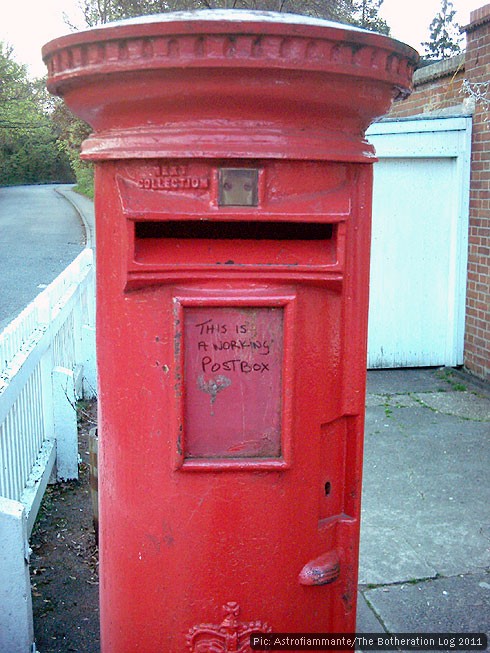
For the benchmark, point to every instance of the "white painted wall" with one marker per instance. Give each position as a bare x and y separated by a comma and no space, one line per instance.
419,242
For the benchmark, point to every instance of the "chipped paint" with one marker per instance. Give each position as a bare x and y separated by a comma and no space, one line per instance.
213,387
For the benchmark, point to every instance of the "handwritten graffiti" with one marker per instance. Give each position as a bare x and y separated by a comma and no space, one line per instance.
233,365
262,347
211,340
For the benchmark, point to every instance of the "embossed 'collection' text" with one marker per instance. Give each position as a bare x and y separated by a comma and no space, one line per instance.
173,177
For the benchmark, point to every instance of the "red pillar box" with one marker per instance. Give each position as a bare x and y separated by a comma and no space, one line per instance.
233,193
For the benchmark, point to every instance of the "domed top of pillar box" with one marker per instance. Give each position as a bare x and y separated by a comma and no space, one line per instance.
228,84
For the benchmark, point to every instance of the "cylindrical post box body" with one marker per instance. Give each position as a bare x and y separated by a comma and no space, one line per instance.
233,193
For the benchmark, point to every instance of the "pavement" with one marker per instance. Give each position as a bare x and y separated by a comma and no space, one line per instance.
425,535
85,209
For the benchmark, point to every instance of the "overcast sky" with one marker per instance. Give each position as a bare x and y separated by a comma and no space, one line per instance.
28,24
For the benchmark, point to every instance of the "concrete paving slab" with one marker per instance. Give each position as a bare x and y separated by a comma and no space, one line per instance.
387,557
426,495
367,622
404,381
451,548
456,604
392,401
461,404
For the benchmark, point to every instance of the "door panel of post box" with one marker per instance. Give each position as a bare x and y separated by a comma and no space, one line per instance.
239,494
227,519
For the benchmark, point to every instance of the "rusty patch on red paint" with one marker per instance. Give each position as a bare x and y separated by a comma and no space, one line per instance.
213,386
233,381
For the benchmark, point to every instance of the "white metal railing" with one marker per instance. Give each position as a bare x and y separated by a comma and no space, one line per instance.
47,361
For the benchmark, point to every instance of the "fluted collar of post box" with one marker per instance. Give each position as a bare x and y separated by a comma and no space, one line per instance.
229,83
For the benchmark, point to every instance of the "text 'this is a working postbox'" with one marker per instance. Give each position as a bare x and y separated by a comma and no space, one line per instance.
233,192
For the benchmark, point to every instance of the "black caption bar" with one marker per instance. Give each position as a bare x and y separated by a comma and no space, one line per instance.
368,641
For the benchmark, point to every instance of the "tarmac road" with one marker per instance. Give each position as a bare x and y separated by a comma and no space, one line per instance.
40,234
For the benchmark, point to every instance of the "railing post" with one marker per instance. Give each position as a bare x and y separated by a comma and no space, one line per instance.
88,361
16,623
87,320
65,423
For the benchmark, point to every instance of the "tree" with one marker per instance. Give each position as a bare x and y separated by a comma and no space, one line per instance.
445,37
71,133
29,151
365,14
96,12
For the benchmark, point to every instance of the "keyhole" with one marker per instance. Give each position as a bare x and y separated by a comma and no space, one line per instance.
327,488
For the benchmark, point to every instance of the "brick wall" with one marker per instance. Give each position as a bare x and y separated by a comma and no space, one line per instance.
477,333
437,88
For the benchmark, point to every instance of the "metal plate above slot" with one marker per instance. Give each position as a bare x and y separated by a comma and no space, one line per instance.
238,187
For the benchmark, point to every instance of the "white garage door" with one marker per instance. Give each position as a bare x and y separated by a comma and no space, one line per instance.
419,242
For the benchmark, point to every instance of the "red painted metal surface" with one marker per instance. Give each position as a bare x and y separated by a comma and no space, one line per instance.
233,187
